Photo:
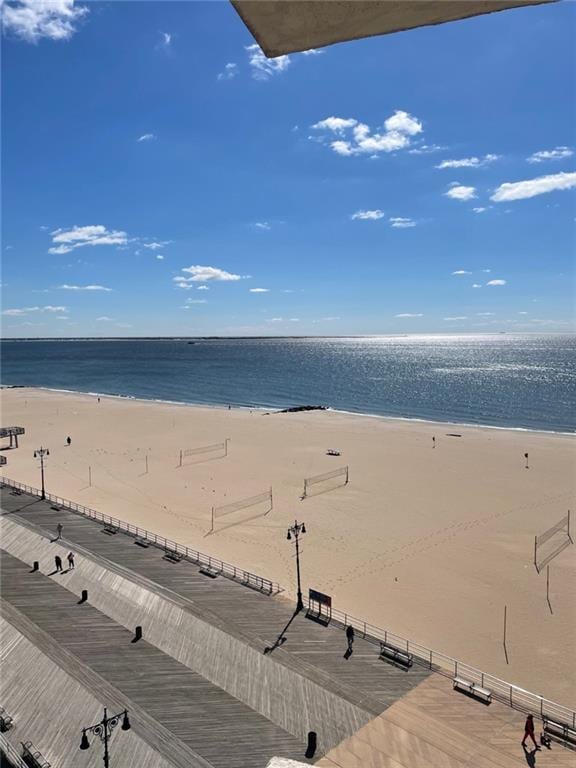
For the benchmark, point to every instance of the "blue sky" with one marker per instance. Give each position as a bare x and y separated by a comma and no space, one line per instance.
160,177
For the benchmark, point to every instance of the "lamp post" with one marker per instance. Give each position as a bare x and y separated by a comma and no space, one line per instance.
39,454
296,530
104,729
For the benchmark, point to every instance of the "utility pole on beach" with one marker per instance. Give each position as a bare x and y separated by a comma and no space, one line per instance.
296,530
40,454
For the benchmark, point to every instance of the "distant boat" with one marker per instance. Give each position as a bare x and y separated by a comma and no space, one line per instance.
191,342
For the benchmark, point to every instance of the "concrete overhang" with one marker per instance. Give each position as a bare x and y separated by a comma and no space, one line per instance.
288,26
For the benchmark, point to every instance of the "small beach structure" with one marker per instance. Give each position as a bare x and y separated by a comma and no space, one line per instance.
12,433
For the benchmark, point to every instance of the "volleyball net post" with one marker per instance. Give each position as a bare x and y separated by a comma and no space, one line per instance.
242,504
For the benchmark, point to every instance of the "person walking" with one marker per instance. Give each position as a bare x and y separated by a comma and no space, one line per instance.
70,559
433,441
68,441
59,529
58,563
529,731
350,636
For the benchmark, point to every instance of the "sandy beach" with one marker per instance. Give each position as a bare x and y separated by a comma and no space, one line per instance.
428,542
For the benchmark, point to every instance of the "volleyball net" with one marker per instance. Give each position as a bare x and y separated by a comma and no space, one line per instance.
550,543
265,499
340,476
216,449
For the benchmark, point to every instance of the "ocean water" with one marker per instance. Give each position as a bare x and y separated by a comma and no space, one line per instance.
522,381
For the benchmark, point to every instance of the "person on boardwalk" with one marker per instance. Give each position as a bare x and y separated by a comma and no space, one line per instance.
58,562
529,731
68,441
59,529
350,636
70,559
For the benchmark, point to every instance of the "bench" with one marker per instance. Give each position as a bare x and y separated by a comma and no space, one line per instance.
55,508
172,556
474,689
332,452
110,530
141,542
208,570
395,654
559,730
5,720
16,492
33,756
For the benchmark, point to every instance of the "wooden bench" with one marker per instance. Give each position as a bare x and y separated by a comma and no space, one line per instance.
141,542
5,720
208,570
110,530
558,730
474,689
395,654
172,556
16,492
33,756
55,508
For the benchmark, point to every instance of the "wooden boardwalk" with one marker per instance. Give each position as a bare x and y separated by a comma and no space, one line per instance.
191,710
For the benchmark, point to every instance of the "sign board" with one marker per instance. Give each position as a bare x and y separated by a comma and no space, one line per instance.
319,597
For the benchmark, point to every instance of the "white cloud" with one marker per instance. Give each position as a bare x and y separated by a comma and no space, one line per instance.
200,274
66,287
202,288
522,313
479,210
32,20
461,272
328,319
104,319
287,290
166,39
410,314
559,153
312,52
293,319
262,225
459,192
259,290
458,317
146,137
476,285
486,270
157,246
229,72
398,222
77,237
275,320
160,257
263,68
194,301
399,129
496,282
426,149
520,190
27,310
469,162
484,314
368,215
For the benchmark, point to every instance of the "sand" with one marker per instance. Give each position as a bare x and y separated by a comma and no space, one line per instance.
430,543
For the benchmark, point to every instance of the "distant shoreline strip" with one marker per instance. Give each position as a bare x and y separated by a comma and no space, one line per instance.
276,409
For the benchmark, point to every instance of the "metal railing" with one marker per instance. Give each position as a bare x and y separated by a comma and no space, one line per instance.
516,697
10,753
226,569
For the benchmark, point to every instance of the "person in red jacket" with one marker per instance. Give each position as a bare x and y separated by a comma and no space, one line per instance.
529,731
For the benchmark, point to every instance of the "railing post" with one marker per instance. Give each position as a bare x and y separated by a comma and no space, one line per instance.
430,658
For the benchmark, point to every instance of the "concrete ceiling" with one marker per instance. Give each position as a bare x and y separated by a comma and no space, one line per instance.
287,26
